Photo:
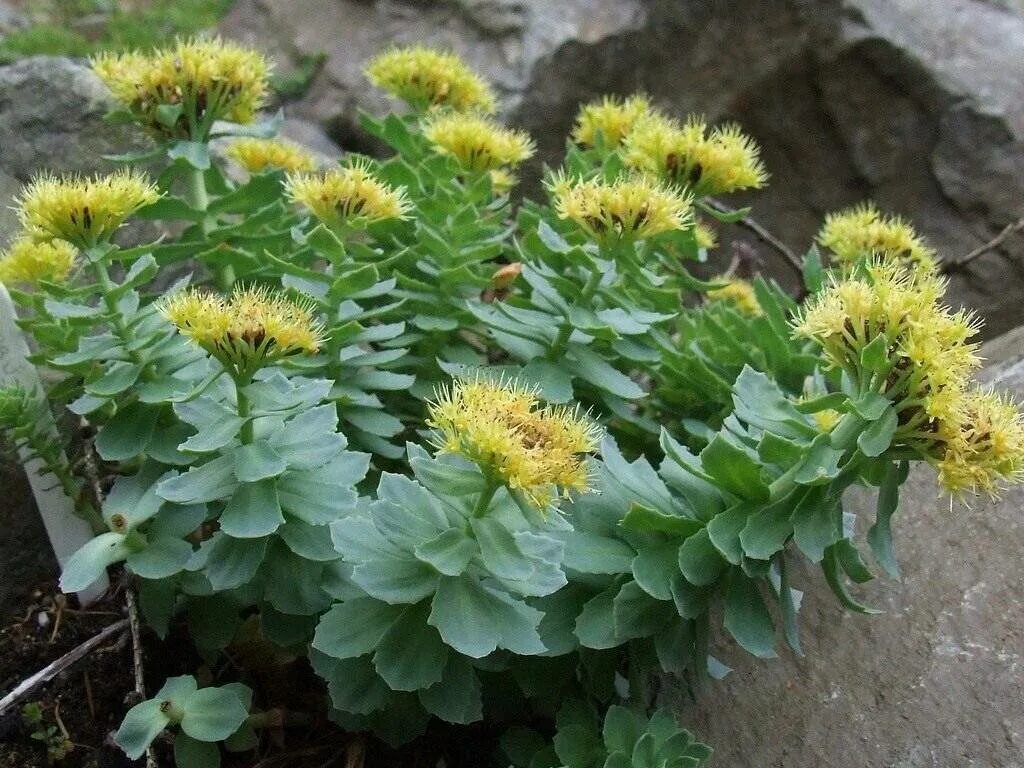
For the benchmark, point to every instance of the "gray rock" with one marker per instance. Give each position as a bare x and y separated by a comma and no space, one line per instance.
915,104
933,682
51,118
11,20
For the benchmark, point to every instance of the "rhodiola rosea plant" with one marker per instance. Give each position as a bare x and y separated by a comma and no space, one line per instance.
470,458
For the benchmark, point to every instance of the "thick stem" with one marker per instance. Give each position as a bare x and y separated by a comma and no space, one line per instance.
244,409
486,495
589,289
199,200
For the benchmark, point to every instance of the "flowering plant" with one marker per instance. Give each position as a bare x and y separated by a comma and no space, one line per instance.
454,450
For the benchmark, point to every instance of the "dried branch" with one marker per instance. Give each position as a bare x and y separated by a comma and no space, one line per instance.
762,234
54,668
140,684
954,265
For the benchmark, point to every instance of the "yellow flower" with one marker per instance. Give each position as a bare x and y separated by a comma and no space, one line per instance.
927,355
209,79
862,232
631,207
28,261
983,448
351,195
478,143
502,180
251,328
826,419
259,155
84,210
611,119
423,78
537,450
724,160
739,293
705,235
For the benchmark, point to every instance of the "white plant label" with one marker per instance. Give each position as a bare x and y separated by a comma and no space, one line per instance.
67,531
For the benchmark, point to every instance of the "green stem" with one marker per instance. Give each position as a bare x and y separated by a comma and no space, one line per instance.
244,409
199,200
845,433
589,289
486,495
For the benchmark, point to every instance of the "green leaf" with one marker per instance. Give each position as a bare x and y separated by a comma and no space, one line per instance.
411,655
396,581
647,520
190,753
690,601
880,534
747,617
877,438
258,461
724,531
871,406
637,614
555,382
499,551
874,356
194,153
788,607
814,273
213,436
734,469
474,619
654,567
554,241
830,565
766,531
127,434
212,714
700,561
816,523
622,728
167,114
312,542
821,464
449,552
160,558
457,697
117,378
355,627
595,625
91,561
142,723
233,562
578,746
591,553
253,511
593,369
849,557
209,482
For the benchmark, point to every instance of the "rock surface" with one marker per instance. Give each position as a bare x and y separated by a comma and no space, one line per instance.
933,682
915,104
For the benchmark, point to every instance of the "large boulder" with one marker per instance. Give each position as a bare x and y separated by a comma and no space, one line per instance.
934,681
915,104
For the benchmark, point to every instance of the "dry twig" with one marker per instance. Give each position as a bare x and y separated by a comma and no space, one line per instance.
762,234
954,265
54,668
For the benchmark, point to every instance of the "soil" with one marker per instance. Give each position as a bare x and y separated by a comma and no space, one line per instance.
87,701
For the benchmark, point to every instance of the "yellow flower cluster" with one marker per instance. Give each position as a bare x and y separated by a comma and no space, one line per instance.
975,439
27,262
259,155
84,210
477,143
208,79
350,196
423,78
708,163
739,293
862,232
609,120
631,207
251,328
501,427
984,447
